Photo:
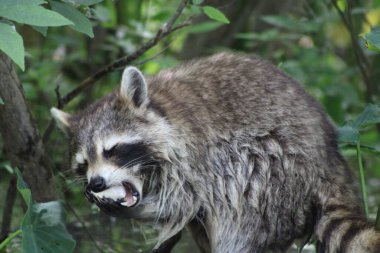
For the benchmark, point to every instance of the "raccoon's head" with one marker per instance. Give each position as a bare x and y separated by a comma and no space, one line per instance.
120,146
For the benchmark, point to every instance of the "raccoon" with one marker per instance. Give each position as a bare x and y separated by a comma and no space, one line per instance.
228,146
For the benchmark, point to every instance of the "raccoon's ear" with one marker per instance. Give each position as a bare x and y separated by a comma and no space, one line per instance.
133,86
62,118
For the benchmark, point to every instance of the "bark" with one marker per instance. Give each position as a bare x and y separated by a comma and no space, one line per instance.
8,209
22,142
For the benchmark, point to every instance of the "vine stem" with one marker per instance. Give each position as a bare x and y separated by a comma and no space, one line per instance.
377,223
362,178
4,243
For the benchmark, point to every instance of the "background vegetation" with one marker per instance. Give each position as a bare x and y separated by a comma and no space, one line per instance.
71,52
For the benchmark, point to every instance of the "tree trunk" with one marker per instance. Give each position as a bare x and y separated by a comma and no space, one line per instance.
22,142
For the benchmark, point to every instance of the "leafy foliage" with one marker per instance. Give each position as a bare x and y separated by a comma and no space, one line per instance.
32,12
43,228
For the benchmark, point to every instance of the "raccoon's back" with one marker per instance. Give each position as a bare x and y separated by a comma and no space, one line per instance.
228,92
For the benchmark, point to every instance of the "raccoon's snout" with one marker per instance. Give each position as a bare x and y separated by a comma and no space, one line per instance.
97,184
124,195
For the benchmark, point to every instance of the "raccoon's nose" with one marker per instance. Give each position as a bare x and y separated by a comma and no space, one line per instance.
97,184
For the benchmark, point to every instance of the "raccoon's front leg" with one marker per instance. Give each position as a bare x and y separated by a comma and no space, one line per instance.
199,235
168,245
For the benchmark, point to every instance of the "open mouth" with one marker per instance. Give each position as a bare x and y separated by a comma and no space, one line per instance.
125,195
132,196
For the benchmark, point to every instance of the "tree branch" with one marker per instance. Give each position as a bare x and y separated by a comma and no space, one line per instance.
163,32
8,208
22,142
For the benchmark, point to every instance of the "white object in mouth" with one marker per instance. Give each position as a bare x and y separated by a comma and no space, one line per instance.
114,193
129,201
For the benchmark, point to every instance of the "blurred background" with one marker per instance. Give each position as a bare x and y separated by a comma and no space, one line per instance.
317,42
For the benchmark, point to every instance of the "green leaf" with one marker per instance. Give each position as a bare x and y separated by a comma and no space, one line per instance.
204,27
43,228
102,13
1,101
84,2
11,44
22,187
348,134
372,40
21,2
81,22
197,2
215,14
41,29
370,115
342,5
291,23
33,15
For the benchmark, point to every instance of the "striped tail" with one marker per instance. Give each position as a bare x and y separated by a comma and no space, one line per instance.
342,228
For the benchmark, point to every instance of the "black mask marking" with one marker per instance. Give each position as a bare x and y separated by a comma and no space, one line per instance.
129,154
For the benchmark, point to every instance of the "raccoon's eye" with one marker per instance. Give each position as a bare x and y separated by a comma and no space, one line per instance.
108,153
81,168
128,153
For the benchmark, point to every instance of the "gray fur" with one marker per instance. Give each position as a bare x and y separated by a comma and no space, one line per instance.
246,158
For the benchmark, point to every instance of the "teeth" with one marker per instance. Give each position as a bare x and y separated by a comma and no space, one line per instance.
124,204
134,199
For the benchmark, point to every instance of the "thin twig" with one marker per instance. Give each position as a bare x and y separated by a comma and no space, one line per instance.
8,207
163,32
363,187
58,94
85,228
7,240
153,57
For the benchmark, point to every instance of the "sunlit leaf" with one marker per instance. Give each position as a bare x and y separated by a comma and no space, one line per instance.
33,15
1,101
11,44
372,40
342,4
43,228
215,14
81,22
